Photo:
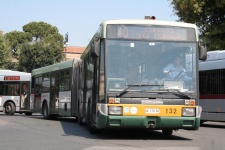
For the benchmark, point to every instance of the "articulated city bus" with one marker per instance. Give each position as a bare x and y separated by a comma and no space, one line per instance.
54,89
15,92
127,78
212,86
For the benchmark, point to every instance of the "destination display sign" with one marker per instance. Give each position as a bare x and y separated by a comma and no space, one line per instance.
167,33
11,77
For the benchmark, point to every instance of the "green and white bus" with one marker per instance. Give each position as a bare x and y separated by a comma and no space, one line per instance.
15,92
113,96
54,89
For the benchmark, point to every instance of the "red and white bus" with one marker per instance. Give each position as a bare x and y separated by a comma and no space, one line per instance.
15,92
212,86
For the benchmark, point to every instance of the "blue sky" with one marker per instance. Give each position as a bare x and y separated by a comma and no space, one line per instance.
80,18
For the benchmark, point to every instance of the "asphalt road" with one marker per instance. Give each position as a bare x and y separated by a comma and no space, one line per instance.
20,132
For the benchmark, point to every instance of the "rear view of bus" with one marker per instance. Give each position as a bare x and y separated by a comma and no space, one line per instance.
15,92
135,85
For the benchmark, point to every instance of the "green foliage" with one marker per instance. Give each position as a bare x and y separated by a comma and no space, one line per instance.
5,55
208,15
39,45
41,55
40,30
15,40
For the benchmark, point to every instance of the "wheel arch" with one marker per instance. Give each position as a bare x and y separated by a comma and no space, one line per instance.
9,101
43,102
12,106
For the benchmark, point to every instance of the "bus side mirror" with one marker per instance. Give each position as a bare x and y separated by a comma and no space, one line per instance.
202,53
95,47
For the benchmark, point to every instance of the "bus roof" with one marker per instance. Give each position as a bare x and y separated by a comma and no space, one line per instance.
24,76
13,73
54,67
149,22
215,55
215,60
146,22
102,29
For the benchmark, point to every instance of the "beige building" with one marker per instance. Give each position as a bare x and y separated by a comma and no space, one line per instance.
1,32
72,52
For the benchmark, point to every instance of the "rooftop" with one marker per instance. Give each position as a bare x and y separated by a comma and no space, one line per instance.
74,49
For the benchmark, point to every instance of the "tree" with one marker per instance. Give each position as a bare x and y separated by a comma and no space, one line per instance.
39,45
208,15
15,39
39,54
5,55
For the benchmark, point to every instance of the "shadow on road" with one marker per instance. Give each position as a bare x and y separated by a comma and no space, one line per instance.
214,125
72,128
123,134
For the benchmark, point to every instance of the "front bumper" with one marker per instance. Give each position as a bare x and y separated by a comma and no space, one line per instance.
155,123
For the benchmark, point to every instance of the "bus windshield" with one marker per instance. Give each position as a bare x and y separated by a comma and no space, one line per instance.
159,64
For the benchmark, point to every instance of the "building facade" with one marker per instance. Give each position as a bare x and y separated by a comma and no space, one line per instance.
72,52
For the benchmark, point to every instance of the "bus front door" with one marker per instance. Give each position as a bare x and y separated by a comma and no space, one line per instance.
25,96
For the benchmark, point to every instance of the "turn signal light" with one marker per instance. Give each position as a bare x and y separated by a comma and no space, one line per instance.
192,102
111,100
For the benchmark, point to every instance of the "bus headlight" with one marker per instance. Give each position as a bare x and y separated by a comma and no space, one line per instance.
115,110
189,112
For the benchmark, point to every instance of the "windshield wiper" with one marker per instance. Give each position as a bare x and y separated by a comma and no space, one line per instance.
135,85
178,93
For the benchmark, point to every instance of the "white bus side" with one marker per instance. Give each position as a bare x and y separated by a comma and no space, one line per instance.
212,86
15,92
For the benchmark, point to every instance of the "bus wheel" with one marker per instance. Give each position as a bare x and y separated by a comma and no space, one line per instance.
10,108
45,111
28,113
79,118
167,131
91,128
201,122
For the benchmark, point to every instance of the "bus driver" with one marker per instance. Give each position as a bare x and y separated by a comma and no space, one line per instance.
175,71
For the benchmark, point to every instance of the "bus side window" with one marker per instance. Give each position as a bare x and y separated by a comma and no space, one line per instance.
1,88
32,83
16,90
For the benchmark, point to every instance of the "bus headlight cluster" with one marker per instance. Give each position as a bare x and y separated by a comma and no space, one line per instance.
190,102
189,112
113,100
115,110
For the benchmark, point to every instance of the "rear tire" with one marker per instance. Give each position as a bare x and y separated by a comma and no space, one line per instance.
45,111
10,108
28,113
167,131
79,118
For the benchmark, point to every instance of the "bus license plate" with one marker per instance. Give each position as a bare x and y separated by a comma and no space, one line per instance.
152,110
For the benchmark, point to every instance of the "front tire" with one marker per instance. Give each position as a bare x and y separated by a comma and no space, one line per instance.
167,131
202,122
10,108
92,129
79,118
